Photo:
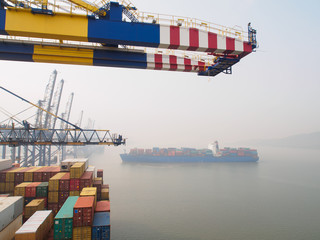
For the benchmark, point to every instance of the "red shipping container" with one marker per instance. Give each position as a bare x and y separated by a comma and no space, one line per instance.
63,197
83,212
31,189
86,180
64,183
54,170
38,175
74,184
19,176
54,207
45,201
103,206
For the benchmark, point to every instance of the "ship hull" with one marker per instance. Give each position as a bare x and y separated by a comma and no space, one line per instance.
177,159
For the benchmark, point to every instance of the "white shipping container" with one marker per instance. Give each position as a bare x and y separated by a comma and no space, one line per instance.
5,164
9,232
67,163
36,227
10,209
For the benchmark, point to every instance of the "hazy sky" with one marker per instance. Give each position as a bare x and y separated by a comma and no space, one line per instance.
274,92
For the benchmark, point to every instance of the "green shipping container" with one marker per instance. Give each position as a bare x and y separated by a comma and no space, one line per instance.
63,221
42,189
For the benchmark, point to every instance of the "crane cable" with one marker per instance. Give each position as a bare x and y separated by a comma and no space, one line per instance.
25,100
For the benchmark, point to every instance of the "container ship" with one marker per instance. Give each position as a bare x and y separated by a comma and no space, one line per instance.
211,154
68,201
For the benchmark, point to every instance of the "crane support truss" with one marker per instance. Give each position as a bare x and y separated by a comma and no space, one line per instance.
68,137
106,26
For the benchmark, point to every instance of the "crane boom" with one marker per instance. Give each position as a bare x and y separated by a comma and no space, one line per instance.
96,38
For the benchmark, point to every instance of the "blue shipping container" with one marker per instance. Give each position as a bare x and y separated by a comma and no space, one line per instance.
101,226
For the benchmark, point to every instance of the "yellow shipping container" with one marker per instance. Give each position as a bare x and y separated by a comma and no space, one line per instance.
33,206
2,187
20,189
98,179
105,194
9,187
28,176
77,170
10,175
54,181
53,197
74,193
89,191
82,233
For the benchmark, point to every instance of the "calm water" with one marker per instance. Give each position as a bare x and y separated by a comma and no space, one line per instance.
276,198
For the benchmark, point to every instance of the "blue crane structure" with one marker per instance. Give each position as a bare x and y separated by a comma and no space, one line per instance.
116,34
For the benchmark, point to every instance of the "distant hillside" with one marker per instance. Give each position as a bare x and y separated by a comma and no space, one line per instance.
309,140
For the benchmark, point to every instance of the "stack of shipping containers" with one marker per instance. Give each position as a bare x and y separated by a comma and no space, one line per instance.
72,195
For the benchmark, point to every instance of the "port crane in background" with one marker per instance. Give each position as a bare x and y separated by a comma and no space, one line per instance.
45,137
116,34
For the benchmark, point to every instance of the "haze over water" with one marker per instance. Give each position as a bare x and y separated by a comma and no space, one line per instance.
276,198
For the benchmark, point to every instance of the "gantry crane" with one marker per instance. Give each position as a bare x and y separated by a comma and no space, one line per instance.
37,136
116,34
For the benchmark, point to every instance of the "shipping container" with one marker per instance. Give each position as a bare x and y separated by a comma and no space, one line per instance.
45,199
37,175
32,207
86,180
53,197
101,226
10,175
102,206
64,183
74,184
74,193
54,181
63,196
54,207
67,163
89,191
31,189
27,200
9,187
77,170
10,209
9,232
91,169
83,212
105,194
100,173
63,222
28,175
82,233
5,164
20,190
2,187
19,175
3,174
42,189
36,227
53,171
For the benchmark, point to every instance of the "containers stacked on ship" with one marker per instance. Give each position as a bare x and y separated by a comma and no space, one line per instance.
11,209
63,221
101,226
58,188
83,213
